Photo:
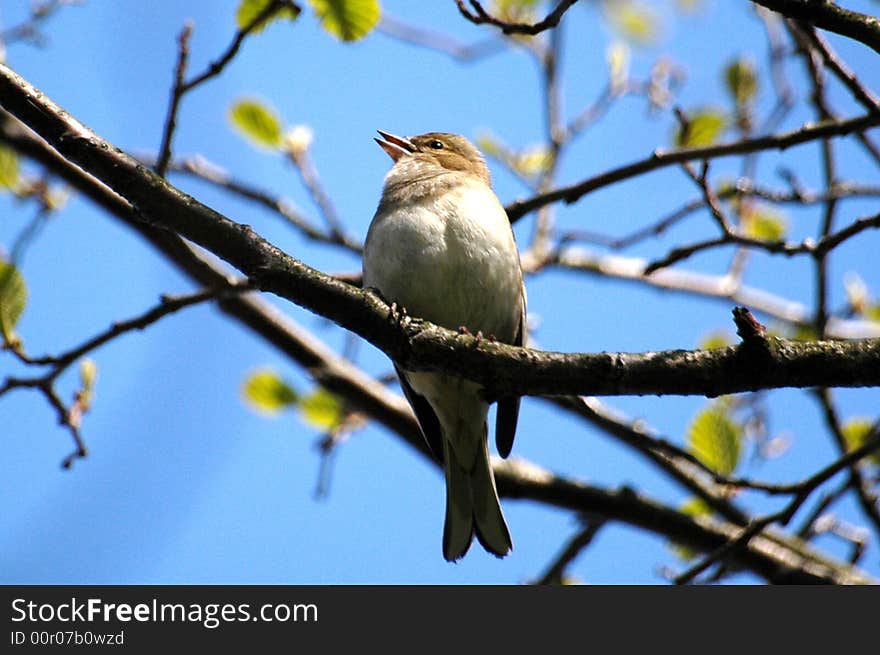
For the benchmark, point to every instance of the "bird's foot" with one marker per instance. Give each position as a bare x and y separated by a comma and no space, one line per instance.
397,314
478,337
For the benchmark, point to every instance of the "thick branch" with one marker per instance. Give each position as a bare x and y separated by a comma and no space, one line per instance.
505,370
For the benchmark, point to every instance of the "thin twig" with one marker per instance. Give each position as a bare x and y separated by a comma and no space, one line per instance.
778,50
802,490
663,158
549,59
555,573
216,67
312,181
680,465
840,69
817,248
599,107
203,169
174,102
480,16
181,87
866,496
437,41
70,416
719,287
168,305
29,29
742,189
806,531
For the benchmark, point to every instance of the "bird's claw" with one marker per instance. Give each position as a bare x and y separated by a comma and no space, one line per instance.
397,313
478,337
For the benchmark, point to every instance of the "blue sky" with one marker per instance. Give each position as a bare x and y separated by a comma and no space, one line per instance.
184,483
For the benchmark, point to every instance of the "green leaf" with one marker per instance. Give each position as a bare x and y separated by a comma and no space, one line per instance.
715,341
715,439
322,409
703,128
8,168
348,20
88,372
684,553
248,11
533,161
489,144
696,507
761,222
257,122
13,298
855,432
873,312
634,21
266,392
741,80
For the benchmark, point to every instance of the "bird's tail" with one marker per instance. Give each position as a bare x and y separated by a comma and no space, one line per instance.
472,505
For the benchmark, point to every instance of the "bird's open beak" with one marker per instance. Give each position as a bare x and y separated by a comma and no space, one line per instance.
395,146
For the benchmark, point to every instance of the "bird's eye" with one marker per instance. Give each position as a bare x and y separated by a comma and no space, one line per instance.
436,145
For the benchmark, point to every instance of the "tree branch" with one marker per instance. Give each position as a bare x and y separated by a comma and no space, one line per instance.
437,41
555,573
837,66
760,554
177,92
831,17
721,287
480,16
663,158
216,67
802,491
182,87
206,171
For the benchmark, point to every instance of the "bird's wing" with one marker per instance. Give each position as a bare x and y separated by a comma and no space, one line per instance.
428,421
507,413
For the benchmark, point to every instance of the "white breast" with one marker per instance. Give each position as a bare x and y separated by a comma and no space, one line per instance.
449,258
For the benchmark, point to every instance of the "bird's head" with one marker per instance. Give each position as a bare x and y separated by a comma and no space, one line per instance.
451,152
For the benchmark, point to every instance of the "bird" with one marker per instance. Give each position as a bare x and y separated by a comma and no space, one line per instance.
441,247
